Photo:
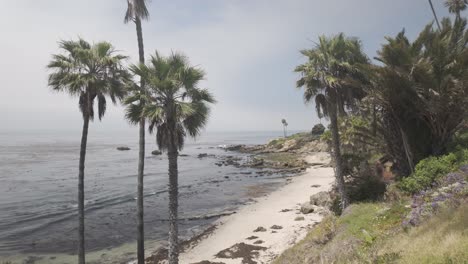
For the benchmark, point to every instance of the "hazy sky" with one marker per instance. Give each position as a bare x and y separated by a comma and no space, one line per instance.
248,48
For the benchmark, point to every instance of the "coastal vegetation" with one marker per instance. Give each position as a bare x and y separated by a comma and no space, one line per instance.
404,156
136,12
90,72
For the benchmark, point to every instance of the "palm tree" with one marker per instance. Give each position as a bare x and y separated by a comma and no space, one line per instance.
176,107
136,11
434,13
332,76
285,126
88,72
456,6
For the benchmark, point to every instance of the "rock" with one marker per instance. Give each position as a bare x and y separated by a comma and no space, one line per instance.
260,229
258,242
315,185
307,208
321,199
299,218
183,155
202,155
123,148
277,227
256,162
156,152
234,147
252,237
285,210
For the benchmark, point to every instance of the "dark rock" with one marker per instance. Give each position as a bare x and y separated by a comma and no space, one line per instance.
202,155
315,185
299,218
156,152
252,237
285,210
258,242
277,227
260,229
123,148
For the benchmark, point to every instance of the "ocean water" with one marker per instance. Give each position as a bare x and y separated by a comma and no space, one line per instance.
38,191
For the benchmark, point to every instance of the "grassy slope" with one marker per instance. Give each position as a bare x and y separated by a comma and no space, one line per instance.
372,233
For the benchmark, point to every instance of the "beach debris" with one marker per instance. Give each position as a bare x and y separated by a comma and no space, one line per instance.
276,227
252,237
260,229
156,152
321,199
241,250
299,218
258,242
123,148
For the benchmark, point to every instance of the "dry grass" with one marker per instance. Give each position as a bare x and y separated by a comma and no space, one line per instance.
372,233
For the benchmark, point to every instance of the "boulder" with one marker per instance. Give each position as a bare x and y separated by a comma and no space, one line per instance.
202,155
123,148
299,218
322,199
156,152
307,208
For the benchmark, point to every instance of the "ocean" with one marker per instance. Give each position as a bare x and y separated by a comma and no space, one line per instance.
38,192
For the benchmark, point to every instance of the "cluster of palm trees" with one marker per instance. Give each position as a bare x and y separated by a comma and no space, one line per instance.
166,96
418,96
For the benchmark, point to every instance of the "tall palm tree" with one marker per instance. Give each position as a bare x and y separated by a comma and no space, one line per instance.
333,77
285,126
136,11
456,6
177,108
90,72
434,13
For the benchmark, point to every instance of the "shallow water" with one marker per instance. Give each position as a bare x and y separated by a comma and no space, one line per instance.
38,190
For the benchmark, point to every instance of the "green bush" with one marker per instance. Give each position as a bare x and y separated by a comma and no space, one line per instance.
430,169
318,130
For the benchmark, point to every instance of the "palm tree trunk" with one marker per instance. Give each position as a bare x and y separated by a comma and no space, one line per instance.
435,15
337,156
141,160
81,227
173,206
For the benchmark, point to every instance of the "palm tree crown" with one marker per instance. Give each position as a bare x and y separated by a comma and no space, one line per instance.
89,72
176,105
456,6
136,9
331,72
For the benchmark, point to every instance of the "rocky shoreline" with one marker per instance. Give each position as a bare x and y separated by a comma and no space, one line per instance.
285,156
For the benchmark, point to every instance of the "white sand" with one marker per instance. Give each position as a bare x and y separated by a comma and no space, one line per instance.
265,212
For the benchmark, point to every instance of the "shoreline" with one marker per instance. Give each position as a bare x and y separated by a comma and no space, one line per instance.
280,209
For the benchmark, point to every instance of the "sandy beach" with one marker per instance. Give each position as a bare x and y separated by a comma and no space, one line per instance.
229,243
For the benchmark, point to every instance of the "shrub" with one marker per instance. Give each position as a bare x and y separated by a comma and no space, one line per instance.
318,130
429,170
